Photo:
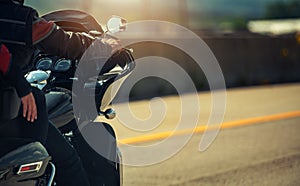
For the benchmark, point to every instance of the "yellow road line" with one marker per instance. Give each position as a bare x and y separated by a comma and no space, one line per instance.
201,129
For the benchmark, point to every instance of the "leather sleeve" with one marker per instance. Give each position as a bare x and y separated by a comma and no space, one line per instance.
52,39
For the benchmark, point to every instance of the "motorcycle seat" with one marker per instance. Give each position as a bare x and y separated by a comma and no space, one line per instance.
28,153
23,163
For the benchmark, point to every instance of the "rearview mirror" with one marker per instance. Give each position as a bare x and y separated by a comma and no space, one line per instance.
116,24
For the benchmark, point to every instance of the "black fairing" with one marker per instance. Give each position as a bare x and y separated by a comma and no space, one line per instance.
59,106
99,168
74,20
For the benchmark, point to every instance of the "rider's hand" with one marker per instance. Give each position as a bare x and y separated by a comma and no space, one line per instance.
29,107
114,43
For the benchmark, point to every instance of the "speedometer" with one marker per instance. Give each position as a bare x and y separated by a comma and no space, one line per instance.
62,65
44,64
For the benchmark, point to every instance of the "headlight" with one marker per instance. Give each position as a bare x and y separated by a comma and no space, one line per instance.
62,65
44,64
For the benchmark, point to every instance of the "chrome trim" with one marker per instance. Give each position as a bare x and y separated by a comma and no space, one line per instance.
119,166
52,174
3,173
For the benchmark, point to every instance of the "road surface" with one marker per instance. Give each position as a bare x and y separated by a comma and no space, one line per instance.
264,151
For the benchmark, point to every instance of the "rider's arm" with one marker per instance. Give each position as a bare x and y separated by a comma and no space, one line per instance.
50,38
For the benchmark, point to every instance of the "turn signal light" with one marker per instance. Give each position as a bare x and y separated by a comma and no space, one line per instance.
31,167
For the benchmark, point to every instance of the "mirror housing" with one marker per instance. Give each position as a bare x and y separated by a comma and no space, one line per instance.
116,24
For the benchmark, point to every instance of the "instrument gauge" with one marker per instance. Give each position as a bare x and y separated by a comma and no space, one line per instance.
44,64
62,65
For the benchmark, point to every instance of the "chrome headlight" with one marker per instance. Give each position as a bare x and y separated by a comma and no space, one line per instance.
38,78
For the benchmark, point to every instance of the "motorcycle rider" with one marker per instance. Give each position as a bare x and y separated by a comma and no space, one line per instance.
19,42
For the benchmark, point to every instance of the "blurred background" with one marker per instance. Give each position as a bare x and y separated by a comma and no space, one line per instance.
255,41
222,15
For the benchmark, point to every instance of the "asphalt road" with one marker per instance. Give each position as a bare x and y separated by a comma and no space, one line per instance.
261,153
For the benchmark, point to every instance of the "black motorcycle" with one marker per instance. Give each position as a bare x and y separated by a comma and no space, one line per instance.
29,163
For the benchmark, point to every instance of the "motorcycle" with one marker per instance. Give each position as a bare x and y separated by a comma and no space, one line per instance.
29,164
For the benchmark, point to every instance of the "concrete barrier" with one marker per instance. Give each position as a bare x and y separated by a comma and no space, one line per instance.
246,59
254,59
